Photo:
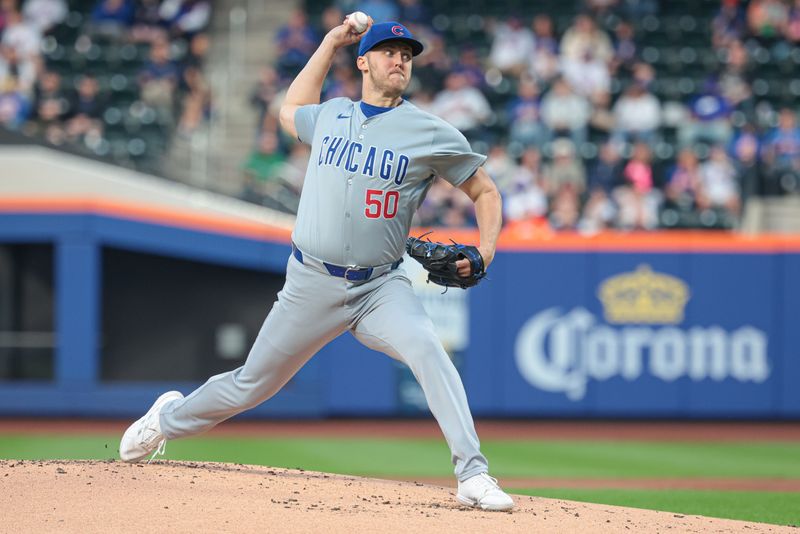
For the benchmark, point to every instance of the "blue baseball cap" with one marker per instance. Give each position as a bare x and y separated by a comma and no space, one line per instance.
388,31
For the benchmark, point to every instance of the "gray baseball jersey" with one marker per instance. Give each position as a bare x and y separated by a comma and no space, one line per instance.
365,178
368,175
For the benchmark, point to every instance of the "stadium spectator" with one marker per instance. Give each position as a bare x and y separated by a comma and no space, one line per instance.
185,18
637,116
565,209
565,171
637,9
588,75
51,104
342,82
781,152
44,14
501,167
111,18
683,183
196,101
709,118
585,37
197,52
463,106
644,74
296,41
85,109
606,172
600,8
21,35
598,214
527,200
530,170
728,25
264,93
413,12
525,123
625,48
14,104
469,64
766,19
544,62
447,207
734,80
158,81
434,204
512,46
791,31
601,119
434,65
147,26
719,184
19,51
265,161
637,198
744,152
331,17
23,73
566,113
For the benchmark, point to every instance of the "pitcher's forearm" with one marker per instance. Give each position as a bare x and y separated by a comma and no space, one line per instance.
489,214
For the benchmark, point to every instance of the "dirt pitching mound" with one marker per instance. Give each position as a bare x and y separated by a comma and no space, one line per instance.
111,496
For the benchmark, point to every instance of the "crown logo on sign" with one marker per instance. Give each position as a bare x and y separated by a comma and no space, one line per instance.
643,296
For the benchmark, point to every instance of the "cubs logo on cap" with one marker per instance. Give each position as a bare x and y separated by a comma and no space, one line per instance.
388,31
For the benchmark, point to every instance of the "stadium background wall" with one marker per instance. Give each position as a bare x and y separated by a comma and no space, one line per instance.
134,307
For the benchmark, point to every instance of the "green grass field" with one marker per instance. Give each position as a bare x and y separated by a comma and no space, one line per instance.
421,458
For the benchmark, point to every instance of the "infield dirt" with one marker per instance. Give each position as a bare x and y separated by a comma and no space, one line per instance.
111,496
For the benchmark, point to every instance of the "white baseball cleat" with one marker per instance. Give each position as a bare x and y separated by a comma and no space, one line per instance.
144,436
482,491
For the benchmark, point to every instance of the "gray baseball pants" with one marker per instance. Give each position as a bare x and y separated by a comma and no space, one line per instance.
312,309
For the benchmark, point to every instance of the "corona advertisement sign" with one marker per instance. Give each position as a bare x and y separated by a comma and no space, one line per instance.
640,333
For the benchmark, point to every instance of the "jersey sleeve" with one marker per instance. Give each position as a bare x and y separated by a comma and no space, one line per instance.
305,120
452,157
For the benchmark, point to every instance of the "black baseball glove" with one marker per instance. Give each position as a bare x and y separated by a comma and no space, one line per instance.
439,259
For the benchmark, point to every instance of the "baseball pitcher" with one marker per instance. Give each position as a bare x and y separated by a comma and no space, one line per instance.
371,164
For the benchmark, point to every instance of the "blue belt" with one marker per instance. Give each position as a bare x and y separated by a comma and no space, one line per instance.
353,274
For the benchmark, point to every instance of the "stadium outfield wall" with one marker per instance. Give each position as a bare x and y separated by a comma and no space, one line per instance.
148,297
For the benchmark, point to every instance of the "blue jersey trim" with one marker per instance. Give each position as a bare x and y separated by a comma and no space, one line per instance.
370,111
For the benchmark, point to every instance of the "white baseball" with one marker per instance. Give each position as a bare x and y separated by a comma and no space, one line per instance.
358,21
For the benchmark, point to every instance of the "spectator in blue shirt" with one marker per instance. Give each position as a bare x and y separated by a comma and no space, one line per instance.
14,105
728,24
606,173
414,12
112,18
781,147
296,42
780,152
709,118
158,81
524,116
744,153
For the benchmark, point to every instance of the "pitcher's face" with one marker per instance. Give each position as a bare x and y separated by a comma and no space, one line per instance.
388,67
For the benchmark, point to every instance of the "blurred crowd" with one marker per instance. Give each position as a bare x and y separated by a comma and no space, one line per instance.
567,149
71,72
